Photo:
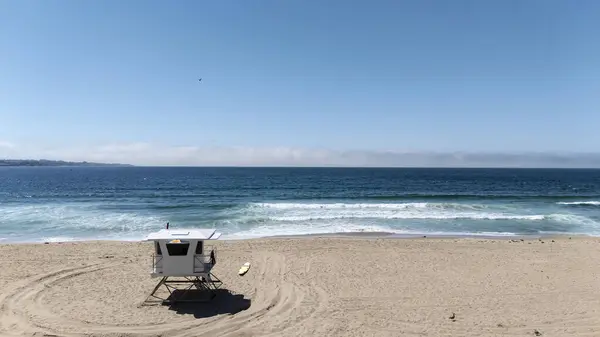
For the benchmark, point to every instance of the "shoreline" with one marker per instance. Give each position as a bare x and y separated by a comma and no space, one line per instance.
342,235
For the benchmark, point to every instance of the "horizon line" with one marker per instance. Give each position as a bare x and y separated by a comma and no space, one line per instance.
122,165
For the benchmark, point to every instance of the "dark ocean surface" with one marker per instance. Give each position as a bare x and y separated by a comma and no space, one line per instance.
126,203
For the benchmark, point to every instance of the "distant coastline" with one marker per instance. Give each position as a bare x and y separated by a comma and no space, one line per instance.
44,162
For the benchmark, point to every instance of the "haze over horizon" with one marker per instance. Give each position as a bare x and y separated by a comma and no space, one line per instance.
146,155
302,83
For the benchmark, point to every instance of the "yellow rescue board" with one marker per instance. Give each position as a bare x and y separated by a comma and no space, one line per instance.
244,269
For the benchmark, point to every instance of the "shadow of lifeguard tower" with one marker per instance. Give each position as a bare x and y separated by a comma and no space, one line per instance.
183,262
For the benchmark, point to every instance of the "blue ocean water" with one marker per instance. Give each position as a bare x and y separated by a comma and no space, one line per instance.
125,203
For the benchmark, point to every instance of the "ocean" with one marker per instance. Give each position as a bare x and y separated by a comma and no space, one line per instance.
39,204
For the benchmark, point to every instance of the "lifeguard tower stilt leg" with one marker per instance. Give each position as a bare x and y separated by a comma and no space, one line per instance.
178,288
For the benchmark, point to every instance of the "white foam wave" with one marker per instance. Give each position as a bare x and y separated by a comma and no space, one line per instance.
305,229
309,217
277,230
80,221
576,203
54,239
411,216
109,237
341,206
572,219
61,219
299,212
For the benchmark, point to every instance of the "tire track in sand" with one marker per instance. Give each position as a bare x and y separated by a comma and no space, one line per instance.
274,307
17,306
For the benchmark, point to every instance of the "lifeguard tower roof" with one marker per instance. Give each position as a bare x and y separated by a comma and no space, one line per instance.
190,234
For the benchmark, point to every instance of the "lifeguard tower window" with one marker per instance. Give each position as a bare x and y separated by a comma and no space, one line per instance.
157,247
178,249
199,247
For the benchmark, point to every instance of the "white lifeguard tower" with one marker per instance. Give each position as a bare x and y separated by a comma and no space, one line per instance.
182,258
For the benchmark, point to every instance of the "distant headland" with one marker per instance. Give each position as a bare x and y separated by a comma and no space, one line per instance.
44,162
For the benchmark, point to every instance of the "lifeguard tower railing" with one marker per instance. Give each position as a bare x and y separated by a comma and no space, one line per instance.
203,262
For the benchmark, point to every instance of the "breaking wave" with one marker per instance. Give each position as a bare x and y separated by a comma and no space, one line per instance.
276,219
81,221
269,231
68,222
334,206
413,216
580,203
419,210
294,212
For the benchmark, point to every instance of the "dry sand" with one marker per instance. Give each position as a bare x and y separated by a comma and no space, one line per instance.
312,287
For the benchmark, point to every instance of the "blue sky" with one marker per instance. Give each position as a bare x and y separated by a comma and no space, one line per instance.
80,77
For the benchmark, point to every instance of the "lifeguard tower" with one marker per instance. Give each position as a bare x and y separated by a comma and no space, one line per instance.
181,258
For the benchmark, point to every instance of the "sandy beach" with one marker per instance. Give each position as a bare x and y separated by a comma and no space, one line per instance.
313,286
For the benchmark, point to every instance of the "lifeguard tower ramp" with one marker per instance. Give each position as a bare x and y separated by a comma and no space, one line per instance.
183,262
